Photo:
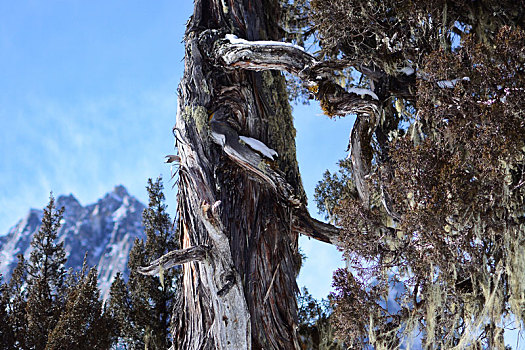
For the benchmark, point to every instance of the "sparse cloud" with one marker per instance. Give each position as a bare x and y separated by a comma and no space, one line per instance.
85,148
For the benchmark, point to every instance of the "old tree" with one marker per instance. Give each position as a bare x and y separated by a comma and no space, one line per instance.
429,210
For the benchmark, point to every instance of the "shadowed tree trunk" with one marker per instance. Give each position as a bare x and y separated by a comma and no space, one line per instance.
241,203
233,200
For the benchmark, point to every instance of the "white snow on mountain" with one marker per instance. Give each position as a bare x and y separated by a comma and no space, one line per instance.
105,230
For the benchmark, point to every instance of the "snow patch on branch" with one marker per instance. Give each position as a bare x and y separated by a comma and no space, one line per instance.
406,70
259,147
450,84
219,138
362,92
235,40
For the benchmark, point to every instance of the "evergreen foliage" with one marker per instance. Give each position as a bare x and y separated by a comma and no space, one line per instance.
143,307
431,207
7,339
43,307
315,330
120,307
46,276
48,256
16,299
83,323
389,34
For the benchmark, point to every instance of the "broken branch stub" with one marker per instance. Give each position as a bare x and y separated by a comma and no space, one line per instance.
318,75
175,258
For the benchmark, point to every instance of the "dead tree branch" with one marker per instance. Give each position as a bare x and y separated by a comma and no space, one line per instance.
244,156
174,258
317,75
303,223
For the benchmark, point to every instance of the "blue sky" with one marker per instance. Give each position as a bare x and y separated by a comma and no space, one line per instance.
88,100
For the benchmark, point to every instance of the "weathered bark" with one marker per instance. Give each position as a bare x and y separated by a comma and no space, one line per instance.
316,75
175,258
304,224
263,55
361,154
240,208
231,198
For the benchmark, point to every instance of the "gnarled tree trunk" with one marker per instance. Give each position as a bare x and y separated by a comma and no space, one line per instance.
241,203
234,199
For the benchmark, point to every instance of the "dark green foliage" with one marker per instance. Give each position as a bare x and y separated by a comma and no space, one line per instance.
16,297
315,331
120,307
47,308
82,324
160,234
46,276
335,188
48,257
42,313
390,34
295,21
143,307
139,315
7,337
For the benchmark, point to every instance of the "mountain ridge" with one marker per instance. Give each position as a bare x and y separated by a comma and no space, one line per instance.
105,230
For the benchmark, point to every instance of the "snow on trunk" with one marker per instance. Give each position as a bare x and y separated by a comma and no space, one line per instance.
259,146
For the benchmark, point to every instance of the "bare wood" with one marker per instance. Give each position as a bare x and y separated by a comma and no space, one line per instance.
271,283
259,56
230,197
264,56
321,231
317,75
223,294
361,153
175,258
335,100
228,139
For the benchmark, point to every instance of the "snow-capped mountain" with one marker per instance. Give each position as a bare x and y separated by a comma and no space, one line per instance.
105,230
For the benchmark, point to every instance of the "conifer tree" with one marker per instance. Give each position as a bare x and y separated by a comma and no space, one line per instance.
431,200
143,307
437,169
16,297
42,307
83,324
46,276
119,308
314,329
6,331
129,309
241,204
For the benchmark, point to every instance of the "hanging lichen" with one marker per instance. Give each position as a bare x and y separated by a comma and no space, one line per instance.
446,181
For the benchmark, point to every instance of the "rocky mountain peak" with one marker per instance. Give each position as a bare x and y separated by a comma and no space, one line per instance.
121,191
67,201
71,205
105,230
